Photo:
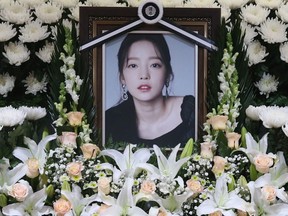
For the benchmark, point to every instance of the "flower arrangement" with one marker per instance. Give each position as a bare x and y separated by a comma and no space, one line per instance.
237,168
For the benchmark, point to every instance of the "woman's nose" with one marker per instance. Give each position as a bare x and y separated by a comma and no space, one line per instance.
144,74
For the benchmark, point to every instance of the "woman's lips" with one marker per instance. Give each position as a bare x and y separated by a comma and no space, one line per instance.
144,87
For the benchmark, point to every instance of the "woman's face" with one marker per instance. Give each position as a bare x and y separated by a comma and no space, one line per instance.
144,72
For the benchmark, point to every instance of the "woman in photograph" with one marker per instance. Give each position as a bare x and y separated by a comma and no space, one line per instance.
144,115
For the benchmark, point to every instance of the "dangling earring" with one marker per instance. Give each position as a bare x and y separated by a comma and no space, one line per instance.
124,92
166,91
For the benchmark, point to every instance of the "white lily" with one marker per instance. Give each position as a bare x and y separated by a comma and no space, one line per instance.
9,177
168,167
77,200
222,200
277,177
129,163
262,207
32,205
254,148
34,152
125,204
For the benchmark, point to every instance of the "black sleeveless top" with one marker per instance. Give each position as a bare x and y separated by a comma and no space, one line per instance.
120,125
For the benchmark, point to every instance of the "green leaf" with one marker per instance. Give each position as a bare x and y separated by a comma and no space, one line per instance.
188,149
3,200
253,172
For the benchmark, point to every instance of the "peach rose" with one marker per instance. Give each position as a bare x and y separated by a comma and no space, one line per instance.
104,185
19,191
33,167
219,165
263,162
194,186
74,168
218,122
233,140
217,213
102,208
269,193
241,213
90,150
148,187
75,118
61,207
162,212
206,150
68,139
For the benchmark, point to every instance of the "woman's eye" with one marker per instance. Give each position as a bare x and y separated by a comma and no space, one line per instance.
132,66
156,65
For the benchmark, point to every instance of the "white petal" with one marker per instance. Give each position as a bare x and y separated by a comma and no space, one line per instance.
207,207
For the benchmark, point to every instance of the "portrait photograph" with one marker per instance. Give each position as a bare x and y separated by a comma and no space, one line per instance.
182,84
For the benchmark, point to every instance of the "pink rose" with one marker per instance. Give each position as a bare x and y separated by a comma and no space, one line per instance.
19,191
68,139
269,193
206,150
75,118
33,167
263,162
104,185
148,187
219,165
194,186
90,150
218,122
74,168
62,206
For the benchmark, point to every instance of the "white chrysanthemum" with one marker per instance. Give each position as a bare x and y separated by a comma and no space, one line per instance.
172,3
283,48
33,3
33,86
282,12
10,116
232,4
33,113
16,53
75,12
273,31
274,116
4,4
201,3
225,13
256,53
106,3
66,3
6,31
53,32
267,84
252,112
254,14
45,53
249,31
272,4
49,12
7,84
33,31
15,12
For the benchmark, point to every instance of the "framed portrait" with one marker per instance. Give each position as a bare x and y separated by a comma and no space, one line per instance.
189,61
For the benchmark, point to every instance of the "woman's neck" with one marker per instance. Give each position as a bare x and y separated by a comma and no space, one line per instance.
150,112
